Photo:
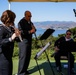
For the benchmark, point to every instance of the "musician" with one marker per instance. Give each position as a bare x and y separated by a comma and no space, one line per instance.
59,52
7,37
27,29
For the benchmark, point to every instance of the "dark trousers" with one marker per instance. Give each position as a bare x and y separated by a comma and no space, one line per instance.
59,54
5,65
24,57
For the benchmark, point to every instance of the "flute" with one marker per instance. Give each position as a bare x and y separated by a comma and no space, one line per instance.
19,34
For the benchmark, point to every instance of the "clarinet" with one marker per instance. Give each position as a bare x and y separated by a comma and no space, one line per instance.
34,34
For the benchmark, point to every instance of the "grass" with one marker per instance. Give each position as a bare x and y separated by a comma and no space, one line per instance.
44,67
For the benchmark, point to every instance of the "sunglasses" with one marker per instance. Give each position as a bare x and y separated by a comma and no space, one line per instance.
68,34
29,16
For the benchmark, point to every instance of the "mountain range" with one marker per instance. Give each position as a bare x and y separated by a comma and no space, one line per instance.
55,24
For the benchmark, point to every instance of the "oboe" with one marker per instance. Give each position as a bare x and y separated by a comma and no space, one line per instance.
19,34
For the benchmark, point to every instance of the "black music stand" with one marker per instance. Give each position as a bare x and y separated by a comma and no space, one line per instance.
74,12
69,47
45,35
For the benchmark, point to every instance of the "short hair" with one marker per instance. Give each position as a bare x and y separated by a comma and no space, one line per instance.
25,13
9,17
69,31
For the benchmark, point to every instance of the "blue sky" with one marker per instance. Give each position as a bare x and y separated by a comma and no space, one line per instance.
42,11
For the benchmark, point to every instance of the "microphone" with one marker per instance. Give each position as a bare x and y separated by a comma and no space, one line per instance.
74,12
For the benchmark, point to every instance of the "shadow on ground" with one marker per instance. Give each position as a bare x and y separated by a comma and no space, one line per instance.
49,69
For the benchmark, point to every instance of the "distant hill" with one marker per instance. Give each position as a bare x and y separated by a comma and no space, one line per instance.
55,24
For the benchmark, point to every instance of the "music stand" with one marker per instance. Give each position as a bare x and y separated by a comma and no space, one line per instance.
69,47
74,12
45,35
